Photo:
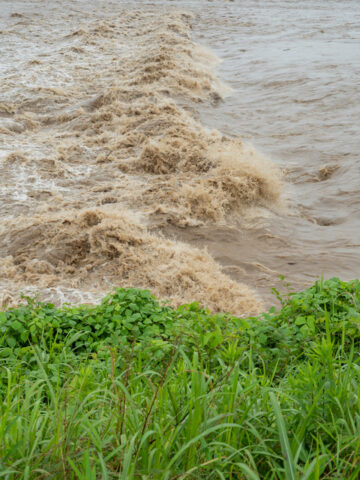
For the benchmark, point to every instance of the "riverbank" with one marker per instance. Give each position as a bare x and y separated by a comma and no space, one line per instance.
132,388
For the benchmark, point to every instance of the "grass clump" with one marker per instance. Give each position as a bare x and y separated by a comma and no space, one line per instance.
134,389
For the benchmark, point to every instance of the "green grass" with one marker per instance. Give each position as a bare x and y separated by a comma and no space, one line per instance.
132,389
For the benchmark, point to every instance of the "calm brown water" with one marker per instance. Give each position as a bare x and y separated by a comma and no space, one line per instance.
119,141
295,71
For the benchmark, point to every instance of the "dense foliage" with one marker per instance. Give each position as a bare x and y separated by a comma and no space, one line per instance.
132,388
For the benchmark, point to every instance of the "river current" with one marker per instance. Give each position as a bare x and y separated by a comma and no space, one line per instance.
133,137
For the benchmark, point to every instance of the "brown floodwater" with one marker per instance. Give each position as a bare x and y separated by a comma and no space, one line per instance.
295,72
200,149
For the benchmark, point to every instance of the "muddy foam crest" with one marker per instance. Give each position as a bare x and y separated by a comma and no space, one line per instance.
112,151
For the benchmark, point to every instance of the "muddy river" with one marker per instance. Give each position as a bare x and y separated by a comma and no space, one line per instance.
200,149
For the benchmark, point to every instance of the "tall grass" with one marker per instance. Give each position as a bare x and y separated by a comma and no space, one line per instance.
212,397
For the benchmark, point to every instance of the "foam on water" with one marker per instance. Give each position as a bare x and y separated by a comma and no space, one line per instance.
117,110
112,145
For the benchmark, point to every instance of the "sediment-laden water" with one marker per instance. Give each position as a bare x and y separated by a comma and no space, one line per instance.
126,149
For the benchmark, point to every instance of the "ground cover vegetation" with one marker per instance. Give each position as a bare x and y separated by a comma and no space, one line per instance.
134,389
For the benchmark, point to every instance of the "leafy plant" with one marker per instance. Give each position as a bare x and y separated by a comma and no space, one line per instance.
132,388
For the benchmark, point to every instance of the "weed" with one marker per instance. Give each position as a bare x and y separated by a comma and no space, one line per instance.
133,389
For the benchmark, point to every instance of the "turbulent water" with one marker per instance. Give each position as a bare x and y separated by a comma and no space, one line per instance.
131,157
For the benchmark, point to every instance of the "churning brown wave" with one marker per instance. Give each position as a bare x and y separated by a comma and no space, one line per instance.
98,163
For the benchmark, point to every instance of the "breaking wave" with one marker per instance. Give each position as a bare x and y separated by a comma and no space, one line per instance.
98,161
93,250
